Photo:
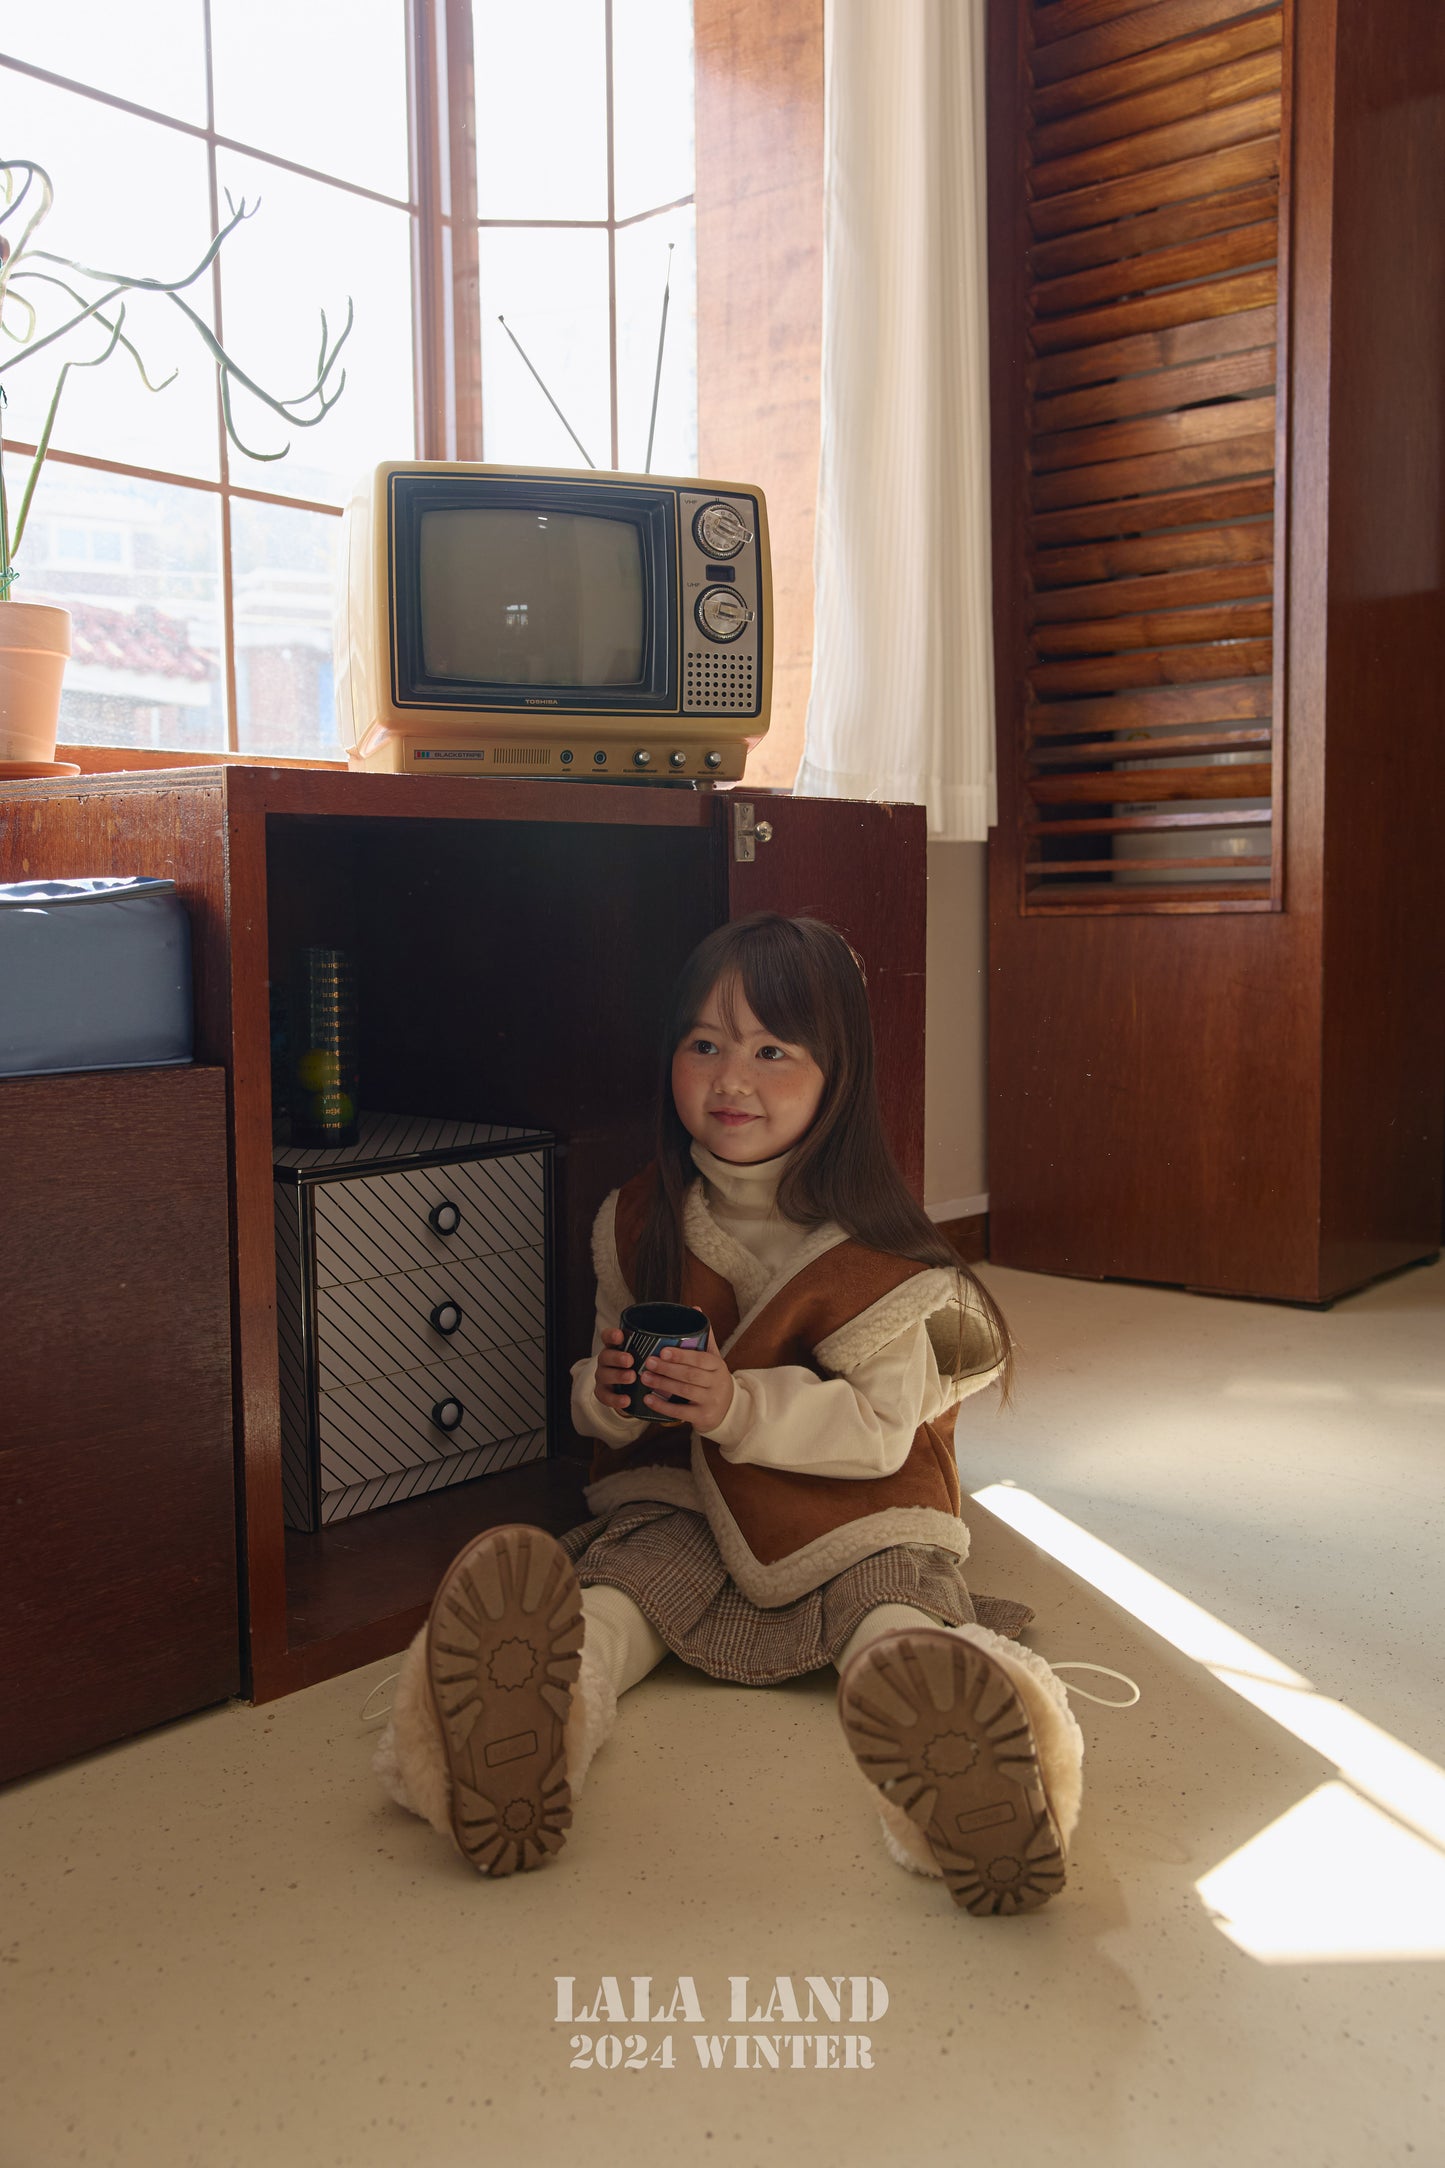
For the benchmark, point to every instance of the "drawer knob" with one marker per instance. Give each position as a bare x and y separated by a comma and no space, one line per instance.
446,1317
447,1414
445,1217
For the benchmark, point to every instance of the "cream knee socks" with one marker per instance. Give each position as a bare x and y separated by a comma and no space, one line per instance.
619,1647
888,1618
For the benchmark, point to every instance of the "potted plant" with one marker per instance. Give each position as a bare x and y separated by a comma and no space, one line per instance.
35,636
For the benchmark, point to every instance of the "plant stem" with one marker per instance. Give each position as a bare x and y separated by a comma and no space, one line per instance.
7,569
43,447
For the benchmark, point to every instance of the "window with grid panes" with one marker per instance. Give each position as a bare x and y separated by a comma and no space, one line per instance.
440,164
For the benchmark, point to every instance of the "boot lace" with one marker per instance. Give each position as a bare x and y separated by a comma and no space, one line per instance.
1102,1699
374,1716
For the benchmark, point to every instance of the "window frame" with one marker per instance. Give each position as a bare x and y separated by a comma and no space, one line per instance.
445,288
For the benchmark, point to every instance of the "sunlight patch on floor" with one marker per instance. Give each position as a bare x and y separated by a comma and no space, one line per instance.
1335,1879
1173,1617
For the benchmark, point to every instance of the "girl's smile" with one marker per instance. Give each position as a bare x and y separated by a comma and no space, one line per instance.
740,1090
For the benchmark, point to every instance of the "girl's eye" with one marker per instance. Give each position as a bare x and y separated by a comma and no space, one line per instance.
769,1053
703,1046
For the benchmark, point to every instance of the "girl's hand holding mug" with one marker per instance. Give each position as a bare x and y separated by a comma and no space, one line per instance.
615,1374
698,1376
695,1376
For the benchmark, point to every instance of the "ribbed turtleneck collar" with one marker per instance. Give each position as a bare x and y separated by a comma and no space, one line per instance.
750,1192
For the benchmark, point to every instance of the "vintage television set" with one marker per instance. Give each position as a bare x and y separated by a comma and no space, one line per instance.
541,621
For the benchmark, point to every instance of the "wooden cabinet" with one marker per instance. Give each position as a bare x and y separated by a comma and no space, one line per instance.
1217,1044
117,1491
514,944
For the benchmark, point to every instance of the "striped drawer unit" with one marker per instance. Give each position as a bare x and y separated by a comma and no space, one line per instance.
368,1328
420,1216
412,1279
388,1438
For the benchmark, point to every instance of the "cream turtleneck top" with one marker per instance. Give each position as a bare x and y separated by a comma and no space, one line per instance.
788,1417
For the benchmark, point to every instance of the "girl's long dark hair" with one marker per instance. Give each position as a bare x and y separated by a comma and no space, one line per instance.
803,981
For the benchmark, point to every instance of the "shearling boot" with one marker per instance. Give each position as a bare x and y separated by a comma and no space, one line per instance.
497,1711
976,1757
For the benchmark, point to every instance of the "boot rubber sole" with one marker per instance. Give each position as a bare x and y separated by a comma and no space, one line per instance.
937,1725
503,1650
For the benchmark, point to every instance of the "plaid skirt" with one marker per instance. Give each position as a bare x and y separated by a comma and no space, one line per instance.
667,1560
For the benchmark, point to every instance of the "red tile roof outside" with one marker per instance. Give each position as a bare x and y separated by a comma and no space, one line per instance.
143,640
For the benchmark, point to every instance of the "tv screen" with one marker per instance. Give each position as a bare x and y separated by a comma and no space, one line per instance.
513,596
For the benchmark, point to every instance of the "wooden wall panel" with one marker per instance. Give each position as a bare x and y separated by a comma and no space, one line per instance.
1146,1114
1384,821
1247,1103
760,306
1077,35
1149,181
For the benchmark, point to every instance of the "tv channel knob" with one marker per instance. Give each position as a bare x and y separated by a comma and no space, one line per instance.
446,1317
722,613
445,1217
642,758
447,1414
720,531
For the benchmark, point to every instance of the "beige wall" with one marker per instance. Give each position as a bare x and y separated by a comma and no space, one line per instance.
760,306
955,1154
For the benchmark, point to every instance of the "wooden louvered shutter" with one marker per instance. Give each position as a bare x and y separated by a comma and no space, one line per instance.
1152,177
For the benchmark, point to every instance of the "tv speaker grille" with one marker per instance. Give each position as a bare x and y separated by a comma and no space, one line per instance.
520,756
718,685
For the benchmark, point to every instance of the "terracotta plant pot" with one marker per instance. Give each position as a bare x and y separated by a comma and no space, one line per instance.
34,645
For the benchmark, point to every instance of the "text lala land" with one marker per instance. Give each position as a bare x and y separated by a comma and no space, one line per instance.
637,1999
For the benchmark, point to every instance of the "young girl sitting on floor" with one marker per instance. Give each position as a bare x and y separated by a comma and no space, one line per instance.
801,1509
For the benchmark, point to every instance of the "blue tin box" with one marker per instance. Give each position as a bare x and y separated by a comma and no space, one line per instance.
94,974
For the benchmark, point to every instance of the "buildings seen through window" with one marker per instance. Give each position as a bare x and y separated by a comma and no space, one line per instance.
200,582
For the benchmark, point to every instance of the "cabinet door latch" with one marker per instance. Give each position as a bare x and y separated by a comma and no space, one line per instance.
748,833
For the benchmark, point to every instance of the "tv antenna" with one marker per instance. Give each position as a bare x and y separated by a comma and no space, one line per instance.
547,395
656,377
661,342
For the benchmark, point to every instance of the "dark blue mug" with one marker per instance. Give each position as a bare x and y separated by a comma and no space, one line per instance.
646,1327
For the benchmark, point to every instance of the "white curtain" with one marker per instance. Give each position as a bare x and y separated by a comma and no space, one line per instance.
902,694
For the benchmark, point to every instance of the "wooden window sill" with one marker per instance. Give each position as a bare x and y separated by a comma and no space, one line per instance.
122,759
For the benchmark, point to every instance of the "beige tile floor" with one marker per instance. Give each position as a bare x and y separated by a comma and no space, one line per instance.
220,1946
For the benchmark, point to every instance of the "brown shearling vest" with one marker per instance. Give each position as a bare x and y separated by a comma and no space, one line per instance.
775,1512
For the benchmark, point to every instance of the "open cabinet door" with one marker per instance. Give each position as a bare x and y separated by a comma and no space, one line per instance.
864,869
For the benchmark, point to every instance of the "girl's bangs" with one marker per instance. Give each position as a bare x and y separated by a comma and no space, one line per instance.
784,995
773,977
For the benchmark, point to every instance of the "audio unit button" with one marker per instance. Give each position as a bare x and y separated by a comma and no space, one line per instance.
721,613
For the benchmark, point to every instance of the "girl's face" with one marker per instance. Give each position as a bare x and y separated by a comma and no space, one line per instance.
743,1093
